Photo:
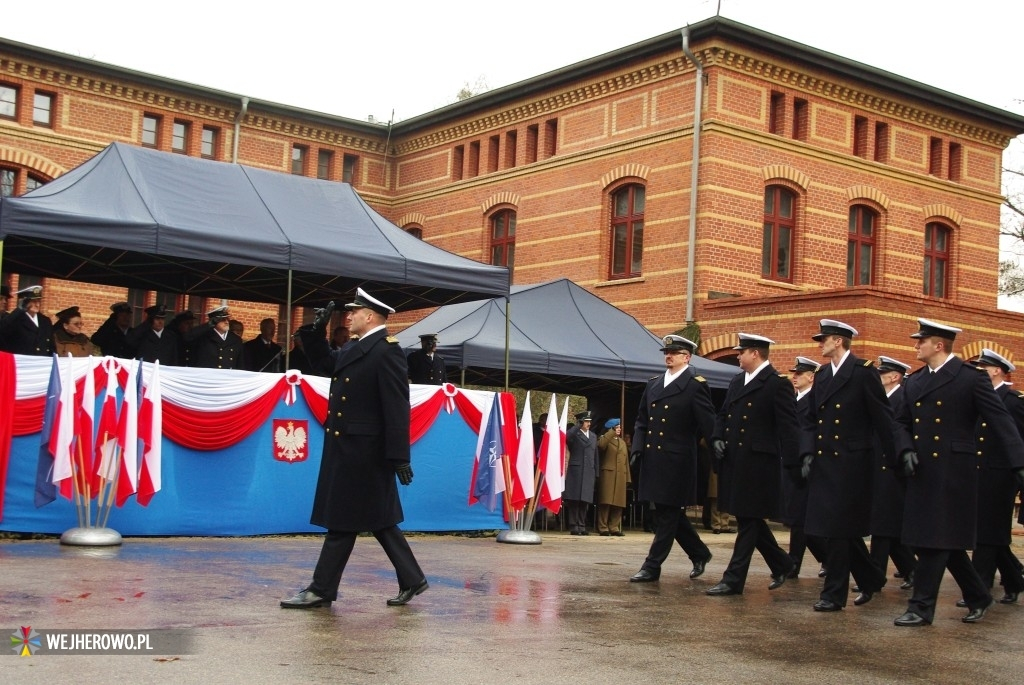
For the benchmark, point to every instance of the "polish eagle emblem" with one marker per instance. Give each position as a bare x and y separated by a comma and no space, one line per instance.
290,440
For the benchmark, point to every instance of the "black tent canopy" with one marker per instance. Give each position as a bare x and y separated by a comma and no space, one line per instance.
133,217
562,338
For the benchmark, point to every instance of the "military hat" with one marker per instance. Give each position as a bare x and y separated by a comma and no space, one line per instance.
119,307
992,358
750,341
804,364
66,315
612,423
157,311
428,336
827,327
887,364
930,329
34,292
219,314
5,290
677,343
365,301
187,315
585,416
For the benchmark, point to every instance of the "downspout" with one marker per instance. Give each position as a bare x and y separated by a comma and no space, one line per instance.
691,257
238,129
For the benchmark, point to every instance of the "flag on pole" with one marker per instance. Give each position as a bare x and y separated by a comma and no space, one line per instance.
106,432
525,455
563,425
150,428
488,476
63,437
45,490
552,458
85,422
128,438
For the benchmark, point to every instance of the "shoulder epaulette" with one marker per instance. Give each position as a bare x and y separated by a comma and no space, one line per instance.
821,367
783,375
699,379
1020,394
978,368
868,362
392,339
652,378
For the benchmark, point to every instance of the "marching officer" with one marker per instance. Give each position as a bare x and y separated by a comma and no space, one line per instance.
213,345
756,426
848,406
937,417
26,330
674,413
426,366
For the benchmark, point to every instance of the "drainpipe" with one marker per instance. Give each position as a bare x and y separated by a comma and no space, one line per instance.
238,128
692,245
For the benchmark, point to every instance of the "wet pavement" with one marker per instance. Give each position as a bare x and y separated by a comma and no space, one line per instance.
558,612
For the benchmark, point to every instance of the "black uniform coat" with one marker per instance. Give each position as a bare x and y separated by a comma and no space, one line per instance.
424,370
997,486
758,423
844,414
366,433
581,469
669,422
208,351
18,335
148,346
111,341
794,492
889,488
259,356
937,418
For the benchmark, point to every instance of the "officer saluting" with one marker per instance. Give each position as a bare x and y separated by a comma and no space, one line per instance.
213,345
26,330
935,440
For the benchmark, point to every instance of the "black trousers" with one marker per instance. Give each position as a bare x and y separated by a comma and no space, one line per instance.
338,548
846,556
931,565
575,515
800,542
754,534
988,558
883,548
671,524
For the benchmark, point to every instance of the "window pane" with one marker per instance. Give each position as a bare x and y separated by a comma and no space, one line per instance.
209,142
511,253
851,267
498,255
639,198
638,248
179,136
766,250
940,278
784,251
852,223
941,235
927,276
786,204
867,223
621,203
928,236
7,177
32,183
865,264
498,226
769,201
8,101
41,105
511,217
619,249
149,130
298,160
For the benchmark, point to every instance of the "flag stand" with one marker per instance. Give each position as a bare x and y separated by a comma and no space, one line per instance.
91,537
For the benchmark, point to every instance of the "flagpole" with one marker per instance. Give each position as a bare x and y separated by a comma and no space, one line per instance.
86,499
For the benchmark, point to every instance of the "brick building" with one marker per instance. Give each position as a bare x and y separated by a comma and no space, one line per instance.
825,187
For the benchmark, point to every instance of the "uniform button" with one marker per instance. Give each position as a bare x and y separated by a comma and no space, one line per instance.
347,380
979,453
744,418
739,444
338,414
820,437
327,428
344,399
984,425
661,435
336,433
819,453
648,445
939,403
665,407
663,420
935,454
917,420
837,406
653,405
750,404
916,438
936,438
335,378
743,430
917,404
837,422
835,437
938,420
821,421
981,438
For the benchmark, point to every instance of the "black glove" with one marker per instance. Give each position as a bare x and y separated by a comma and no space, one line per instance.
323,316
718,446
1020,478
403,471
909,461
805,466
634,457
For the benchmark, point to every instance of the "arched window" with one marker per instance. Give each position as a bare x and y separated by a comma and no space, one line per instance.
627,231
415,231
777,239
936,259
860,246
503,238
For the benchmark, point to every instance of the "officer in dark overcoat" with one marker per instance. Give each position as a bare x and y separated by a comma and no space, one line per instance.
112,335
997,488
366,444
262,353
426,366
152,341
212,345
889,490
848,408
675,412
755,427
937,418
580,472
26,330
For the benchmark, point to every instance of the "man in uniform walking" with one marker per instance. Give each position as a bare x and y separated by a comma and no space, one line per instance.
674,413
366,445
937,418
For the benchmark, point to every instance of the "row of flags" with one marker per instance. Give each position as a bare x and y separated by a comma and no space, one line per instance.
115,457
509,466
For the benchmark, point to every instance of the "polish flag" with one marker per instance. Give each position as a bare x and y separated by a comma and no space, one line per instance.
525,455
106,434
552,461
150,429
128,438
85,421
64,432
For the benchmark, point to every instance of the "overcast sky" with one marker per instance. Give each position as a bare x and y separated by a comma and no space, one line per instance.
360,59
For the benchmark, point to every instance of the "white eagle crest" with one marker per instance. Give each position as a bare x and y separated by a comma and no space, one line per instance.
290,441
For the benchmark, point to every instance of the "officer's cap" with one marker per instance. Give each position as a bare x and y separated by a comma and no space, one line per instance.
365,301
932,329
827,327
677,343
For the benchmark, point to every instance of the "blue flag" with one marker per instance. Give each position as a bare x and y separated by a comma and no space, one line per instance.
490,478
46,491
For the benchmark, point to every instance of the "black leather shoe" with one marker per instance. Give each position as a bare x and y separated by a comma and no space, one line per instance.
722,589
777,581
908,582
795,573
976,615
912,620
699,566
619,534
408,593
961,603
826,605
643,576
1009,598
863,598
306,599
822,571
716,531
605,533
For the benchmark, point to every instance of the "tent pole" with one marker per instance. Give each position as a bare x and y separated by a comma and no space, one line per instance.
508,319
288,324
622,405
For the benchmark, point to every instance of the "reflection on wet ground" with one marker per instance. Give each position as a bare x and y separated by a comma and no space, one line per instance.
562,611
